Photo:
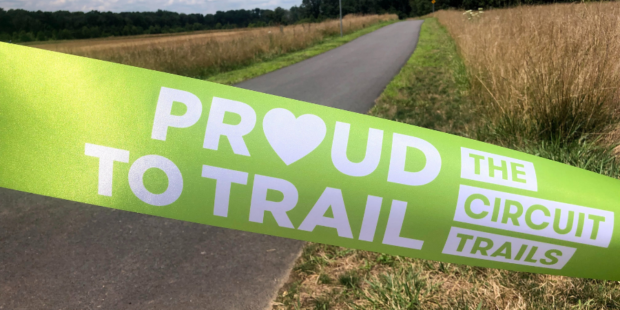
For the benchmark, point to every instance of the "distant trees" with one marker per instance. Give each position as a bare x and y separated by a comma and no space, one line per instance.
24,26
318,9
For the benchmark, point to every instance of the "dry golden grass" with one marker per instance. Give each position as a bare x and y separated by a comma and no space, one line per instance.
542,72
205,53
110,42
391,282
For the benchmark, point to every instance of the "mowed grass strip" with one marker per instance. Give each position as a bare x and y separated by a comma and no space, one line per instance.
432,90
260,68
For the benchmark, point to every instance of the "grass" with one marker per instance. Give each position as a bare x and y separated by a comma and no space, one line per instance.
260,68
207,54
542,73
545,79
434,90
408,283
349,280
431,89
130,40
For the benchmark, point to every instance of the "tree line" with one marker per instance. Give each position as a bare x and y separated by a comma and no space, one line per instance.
19,25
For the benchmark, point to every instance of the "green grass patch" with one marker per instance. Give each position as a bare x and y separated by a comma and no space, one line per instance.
268,65
431,89
349,279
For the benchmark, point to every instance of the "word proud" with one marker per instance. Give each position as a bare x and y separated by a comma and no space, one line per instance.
292,138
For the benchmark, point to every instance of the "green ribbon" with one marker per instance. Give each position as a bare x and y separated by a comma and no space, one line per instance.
155,143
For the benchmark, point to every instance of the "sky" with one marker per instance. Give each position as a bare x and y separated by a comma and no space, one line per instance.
181,6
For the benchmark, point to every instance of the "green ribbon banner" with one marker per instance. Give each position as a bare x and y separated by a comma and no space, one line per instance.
155,143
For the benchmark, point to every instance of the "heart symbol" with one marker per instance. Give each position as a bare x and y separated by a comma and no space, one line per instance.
293,138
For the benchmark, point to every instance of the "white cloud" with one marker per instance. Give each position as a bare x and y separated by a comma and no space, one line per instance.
181,6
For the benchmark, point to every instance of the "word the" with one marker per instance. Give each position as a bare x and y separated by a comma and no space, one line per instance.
497,169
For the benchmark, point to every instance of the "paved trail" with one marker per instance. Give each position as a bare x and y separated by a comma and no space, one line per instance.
350,77
57,254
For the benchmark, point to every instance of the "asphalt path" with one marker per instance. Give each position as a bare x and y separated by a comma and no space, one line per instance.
349,77
58,254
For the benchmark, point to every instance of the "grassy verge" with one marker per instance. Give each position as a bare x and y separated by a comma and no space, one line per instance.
432,91
269,65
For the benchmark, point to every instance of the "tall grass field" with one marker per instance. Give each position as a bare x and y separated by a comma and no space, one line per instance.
543,76
204,54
